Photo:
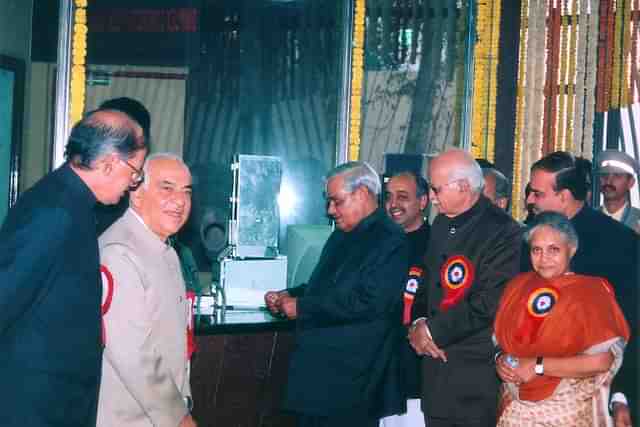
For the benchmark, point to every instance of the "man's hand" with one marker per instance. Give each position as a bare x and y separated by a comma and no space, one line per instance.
188,421
272,299
422,344
621,415
289,306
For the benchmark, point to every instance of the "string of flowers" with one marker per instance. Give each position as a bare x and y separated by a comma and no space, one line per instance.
485,79
626,58
575,142
590,83
357,71
532,125
551,81
562,81
617,54
633,84
480,80
517,187
570,79
603,58
78,62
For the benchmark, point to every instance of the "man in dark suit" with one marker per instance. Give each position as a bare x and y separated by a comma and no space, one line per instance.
560,183
405,199
50,290
474,249
344,369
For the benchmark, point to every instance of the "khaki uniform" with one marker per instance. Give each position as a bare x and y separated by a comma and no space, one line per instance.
145,371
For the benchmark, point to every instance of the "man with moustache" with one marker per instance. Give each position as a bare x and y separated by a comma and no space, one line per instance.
560,183
405,200
474,249
50,348
343,371
145,367
617,172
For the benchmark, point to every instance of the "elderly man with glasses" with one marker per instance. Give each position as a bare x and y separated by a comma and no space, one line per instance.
49,277
474,249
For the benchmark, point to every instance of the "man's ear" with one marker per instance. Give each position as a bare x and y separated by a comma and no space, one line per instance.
565,195
136,196
503,202
105,164
423,202
632,181
572,250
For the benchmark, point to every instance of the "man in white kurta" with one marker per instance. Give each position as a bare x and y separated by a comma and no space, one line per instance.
145,367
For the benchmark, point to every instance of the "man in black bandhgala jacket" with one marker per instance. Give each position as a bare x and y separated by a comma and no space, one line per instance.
50,290
344,370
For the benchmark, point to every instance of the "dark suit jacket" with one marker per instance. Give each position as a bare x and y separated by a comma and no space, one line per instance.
466,387
50,350
346,353
411,364
607,248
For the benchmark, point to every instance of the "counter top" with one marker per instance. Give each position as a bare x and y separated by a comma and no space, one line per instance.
241,321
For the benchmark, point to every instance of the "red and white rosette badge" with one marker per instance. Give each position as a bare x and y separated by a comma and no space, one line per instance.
456,276
539,304
413,283
107,297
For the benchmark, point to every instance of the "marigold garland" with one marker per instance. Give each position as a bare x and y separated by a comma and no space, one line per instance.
357,71
78,62
518,188
626,59
570,82
485,79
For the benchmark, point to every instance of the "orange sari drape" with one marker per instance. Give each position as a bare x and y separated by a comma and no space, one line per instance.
584,314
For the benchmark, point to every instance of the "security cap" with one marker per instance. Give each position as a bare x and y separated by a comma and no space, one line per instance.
614,161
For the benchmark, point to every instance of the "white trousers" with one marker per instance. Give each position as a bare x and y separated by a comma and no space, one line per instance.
412,418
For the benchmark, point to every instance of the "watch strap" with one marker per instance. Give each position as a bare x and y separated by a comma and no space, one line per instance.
539,368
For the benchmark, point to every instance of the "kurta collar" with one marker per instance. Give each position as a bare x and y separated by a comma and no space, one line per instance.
150,238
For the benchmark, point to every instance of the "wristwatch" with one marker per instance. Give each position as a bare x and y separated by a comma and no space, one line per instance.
539,368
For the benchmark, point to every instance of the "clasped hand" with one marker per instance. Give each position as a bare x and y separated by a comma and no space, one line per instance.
521,374
281,303
422,343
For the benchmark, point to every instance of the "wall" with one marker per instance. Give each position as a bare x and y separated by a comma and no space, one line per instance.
15,41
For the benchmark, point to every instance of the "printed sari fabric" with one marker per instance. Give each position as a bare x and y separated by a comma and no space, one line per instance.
561,317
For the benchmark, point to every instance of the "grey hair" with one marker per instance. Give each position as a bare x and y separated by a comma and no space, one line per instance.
155,156
557,222
471,172
503,187
357,174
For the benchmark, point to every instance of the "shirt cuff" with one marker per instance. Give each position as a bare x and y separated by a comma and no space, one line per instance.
426,327
618,398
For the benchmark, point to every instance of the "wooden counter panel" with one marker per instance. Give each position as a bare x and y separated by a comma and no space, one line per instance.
238,380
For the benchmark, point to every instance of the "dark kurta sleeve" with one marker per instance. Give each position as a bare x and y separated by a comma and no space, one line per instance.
27,251
368,291
498,264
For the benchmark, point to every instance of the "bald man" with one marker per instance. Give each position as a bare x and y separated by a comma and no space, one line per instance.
473,251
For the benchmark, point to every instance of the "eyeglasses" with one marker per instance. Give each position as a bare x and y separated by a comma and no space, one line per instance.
137,175
438,190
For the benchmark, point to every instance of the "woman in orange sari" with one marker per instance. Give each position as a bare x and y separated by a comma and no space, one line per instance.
562,336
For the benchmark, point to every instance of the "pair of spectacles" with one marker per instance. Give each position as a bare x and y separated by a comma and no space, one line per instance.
137,175
437,190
